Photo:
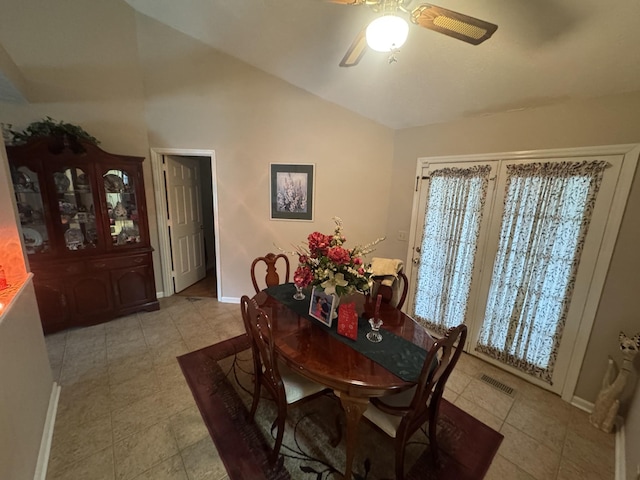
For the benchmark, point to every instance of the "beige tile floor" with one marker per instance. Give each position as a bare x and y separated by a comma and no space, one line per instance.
125,411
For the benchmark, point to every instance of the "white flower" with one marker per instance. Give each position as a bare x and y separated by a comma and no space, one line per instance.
334,281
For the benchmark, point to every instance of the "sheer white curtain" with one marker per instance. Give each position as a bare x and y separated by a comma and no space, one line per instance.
453,215
547,210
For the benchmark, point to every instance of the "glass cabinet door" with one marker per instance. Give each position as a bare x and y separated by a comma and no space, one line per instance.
76,208
30,210
122,207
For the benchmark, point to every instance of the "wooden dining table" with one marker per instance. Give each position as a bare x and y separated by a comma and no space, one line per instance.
311,350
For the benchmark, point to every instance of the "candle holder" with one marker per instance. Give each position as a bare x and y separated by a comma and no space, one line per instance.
374,335
376,322
298,295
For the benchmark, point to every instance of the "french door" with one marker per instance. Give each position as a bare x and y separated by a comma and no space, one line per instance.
511,246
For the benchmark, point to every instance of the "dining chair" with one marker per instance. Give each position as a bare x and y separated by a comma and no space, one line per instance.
401,415
271,260
284,385
394,294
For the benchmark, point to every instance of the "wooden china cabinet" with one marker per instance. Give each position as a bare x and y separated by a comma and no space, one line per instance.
85,230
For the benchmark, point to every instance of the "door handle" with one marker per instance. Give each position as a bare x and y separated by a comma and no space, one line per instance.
418,249
416,261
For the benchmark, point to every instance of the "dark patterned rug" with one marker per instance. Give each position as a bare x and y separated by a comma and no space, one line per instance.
220,378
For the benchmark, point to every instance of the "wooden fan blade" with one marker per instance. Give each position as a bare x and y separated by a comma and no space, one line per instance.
454,24
355,51
347,2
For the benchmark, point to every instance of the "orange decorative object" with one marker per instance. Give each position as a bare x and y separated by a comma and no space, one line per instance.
348,320
3,279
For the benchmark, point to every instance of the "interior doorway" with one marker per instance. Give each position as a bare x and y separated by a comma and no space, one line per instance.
196,255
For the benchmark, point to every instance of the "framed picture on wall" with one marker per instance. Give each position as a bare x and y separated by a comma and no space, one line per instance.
292,191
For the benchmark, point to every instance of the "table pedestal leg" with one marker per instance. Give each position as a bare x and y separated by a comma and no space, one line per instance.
354,407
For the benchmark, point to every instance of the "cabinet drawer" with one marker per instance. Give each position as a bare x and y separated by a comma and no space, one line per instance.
119,262
58,270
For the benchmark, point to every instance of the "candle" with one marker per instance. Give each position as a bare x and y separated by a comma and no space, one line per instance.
377,310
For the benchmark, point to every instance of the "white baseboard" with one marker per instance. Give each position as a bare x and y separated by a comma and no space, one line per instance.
47,434
582,404
229,300
621,457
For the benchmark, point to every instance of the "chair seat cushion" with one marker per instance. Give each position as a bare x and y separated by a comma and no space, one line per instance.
296,386
389,423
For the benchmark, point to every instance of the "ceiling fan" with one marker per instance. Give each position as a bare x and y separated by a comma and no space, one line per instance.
388,32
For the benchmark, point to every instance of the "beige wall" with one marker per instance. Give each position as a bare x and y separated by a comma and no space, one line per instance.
199,98
606,121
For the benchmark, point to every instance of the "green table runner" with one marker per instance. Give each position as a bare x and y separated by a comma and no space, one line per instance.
398,355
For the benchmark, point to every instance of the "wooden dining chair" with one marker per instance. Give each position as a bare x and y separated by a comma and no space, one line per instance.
395,294
401,415
271,260
284,385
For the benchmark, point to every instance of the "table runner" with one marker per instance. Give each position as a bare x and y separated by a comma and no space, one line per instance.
398,355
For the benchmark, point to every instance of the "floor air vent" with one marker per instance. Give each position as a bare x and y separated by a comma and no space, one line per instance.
498,385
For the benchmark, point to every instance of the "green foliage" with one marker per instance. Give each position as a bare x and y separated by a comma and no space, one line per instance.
50,127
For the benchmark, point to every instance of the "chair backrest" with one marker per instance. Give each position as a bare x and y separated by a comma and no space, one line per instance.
272,277
258,326
438,365
395,294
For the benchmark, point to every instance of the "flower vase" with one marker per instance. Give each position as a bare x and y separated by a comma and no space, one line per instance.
336,303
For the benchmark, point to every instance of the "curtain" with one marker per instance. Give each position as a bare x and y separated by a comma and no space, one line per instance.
452,220
547,210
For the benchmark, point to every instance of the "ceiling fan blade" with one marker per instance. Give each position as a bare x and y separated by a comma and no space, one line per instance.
454,24
355,51
347,2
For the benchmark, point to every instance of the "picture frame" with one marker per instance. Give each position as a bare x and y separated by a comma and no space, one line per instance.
322,306
292,191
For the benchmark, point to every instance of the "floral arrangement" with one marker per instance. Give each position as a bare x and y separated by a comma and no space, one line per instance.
326,263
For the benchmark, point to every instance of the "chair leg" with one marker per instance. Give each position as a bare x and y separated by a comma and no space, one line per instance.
279,424
256,396
401,442
433,442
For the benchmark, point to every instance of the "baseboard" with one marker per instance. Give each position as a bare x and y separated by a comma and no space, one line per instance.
47,434
229,300
620,456
582,404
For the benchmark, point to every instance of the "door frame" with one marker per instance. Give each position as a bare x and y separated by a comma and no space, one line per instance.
160,193
630,153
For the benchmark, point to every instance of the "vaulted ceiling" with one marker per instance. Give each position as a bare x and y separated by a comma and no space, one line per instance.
544,52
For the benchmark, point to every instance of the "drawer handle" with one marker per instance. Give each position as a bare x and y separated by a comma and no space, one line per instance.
138,260
100,265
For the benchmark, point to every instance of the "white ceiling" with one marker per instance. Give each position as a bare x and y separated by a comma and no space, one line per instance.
544,52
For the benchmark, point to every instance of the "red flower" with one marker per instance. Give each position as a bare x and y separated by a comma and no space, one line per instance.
339,256
318,243
357,261
303,276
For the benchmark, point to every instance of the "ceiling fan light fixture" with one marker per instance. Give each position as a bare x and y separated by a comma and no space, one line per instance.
387,33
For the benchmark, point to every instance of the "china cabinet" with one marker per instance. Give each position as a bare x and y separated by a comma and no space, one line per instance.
85,230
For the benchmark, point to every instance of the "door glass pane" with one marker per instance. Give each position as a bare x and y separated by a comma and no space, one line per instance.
122,207
547,211
453,216
76,208
30,210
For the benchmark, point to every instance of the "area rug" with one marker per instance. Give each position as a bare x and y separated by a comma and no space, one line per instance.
220,378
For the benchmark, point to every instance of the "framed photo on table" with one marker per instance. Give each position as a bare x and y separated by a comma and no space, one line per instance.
292,191
322,306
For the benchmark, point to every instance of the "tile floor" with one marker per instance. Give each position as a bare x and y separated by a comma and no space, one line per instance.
125,411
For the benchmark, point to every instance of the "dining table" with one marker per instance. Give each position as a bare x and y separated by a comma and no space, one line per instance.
356,370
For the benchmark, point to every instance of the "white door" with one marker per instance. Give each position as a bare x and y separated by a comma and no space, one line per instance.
185,221
502,252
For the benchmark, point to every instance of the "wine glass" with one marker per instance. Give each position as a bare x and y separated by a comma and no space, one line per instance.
298,295
374,335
